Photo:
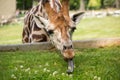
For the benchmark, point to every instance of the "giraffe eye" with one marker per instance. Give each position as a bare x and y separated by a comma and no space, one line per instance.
50,32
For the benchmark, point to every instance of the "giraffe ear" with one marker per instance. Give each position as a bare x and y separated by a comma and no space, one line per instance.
40,21
77,17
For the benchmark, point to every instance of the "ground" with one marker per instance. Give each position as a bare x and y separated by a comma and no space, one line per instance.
90,64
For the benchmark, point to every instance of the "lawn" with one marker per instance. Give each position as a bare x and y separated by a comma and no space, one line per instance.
88,28
90,64
11,34
105,27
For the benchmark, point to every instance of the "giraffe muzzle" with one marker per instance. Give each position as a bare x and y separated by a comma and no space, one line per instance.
68,52
67,47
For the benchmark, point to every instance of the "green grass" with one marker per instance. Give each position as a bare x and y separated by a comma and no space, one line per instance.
98,28
88,28
90,64
11,34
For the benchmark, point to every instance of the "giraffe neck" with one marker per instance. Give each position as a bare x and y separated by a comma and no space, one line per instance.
32,32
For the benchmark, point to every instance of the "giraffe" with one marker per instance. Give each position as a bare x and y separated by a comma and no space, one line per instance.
50,21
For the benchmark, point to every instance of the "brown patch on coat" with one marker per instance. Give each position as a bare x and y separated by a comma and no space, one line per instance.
36,28
39,38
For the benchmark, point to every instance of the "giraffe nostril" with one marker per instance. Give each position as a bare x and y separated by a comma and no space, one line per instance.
67,47
64,47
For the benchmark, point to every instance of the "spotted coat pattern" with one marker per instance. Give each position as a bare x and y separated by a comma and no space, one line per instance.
31,32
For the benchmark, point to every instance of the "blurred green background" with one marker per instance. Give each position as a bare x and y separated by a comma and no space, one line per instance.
75,4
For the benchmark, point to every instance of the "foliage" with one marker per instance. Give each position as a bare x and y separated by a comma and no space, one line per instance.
109,3
86,3
90,64
24,4
94,4
74,4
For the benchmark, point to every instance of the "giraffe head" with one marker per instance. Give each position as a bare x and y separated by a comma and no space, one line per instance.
60,25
